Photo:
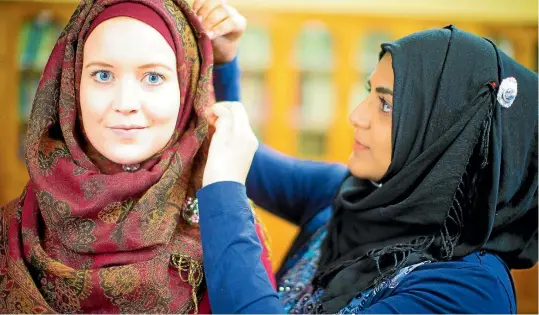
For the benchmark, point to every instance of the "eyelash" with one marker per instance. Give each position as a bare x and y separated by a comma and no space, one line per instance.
95,72
384,103
157,74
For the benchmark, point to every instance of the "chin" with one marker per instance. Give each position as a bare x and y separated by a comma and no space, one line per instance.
126,156
123,160
362,169
355,167
357,171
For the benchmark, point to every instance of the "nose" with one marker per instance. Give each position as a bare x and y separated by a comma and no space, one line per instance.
126,98
361,115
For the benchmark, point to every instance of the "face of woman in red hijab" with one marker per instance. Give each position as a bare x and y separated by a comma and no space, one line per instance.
129,91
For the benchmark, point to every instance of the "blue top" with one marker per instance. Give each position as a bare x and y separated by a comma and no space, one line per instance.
302,192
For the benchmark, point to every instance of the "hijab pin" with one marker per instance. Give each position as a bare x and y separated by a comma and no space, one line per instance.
190,211
131,167
507,92
378,185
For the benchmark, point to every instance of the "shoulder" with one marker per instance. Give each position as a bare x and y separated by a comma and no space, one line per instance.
477,283
9,209
7,212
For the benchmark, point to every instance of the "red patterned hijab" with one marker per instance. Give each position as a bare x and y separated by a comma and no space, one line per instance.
86,236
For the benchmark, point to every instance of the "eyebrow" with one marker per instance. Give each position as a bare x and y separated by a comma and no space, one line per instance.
146,66
156,65
98,64
380,89
384,90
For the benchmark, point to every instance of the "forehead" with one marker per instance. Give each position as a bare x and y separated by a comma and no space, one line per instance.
383,73
127,40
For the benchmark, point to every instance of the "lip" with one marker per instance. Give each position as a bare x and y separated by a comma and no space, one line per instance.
127,127
358,146
126,131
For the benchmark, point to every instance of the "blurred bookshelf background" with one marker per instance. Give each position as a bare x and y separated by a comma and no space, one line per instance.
305,64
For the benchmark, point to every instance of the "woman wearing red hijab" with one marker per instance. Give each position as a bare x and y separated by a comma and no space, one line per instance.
116,148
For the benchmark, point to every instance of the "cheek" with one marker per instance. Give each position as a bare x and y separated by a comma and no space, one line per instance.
383,142
163,106
94,102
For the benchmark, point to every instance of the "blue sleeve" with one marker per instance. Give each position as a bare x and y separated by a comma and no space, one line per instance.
291,188
226,81
465,290
235,276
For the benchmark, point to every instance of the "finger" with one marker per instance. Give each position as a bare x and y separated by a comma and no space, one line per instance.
210,116
222,109
219,125
239,117
208,7
222,127
224,27
214,18
224,117
234,22
197,4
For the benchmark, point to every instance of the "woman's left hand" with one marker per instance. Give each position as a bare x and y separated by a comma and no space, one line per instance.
232,147
224,25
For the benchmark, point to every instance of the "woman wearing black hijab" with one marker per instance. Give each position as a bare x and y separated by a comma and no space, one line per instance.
438,203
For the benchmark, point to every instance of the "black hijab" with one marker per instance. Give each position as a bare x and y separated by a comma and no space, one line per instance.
463,175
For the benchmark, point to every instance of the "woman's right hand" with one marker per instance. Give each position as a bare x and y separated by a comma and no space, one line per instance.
224,25
233,144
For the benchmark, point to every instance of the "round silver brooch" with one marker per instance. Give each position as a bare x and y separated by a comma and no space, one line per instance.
507,93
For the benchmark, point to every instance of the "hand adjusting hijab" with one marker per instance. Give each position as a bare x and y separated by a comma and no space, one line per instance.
463,175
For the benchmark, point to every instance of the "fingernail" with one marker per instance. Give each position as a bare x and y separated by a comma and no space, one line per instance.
210,34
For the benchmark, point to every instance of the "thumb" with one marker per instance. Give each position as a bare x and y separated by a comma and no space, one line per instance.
224,120
210,116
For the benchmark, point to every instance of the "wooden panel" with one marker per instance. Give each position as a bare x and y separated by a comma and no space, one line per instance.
13,174
526,288
282,86
340,134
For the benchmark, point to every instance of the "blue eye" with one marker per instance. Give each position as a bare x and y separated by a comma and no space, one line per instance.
386,107
102,76
154,78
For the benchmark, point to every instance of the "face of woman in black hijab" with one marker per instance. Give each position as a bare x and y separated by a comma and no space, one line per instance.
372,122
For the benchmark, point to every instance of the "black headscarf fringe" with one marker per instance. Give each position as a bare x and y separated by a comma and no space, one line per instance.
464,199
397,256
